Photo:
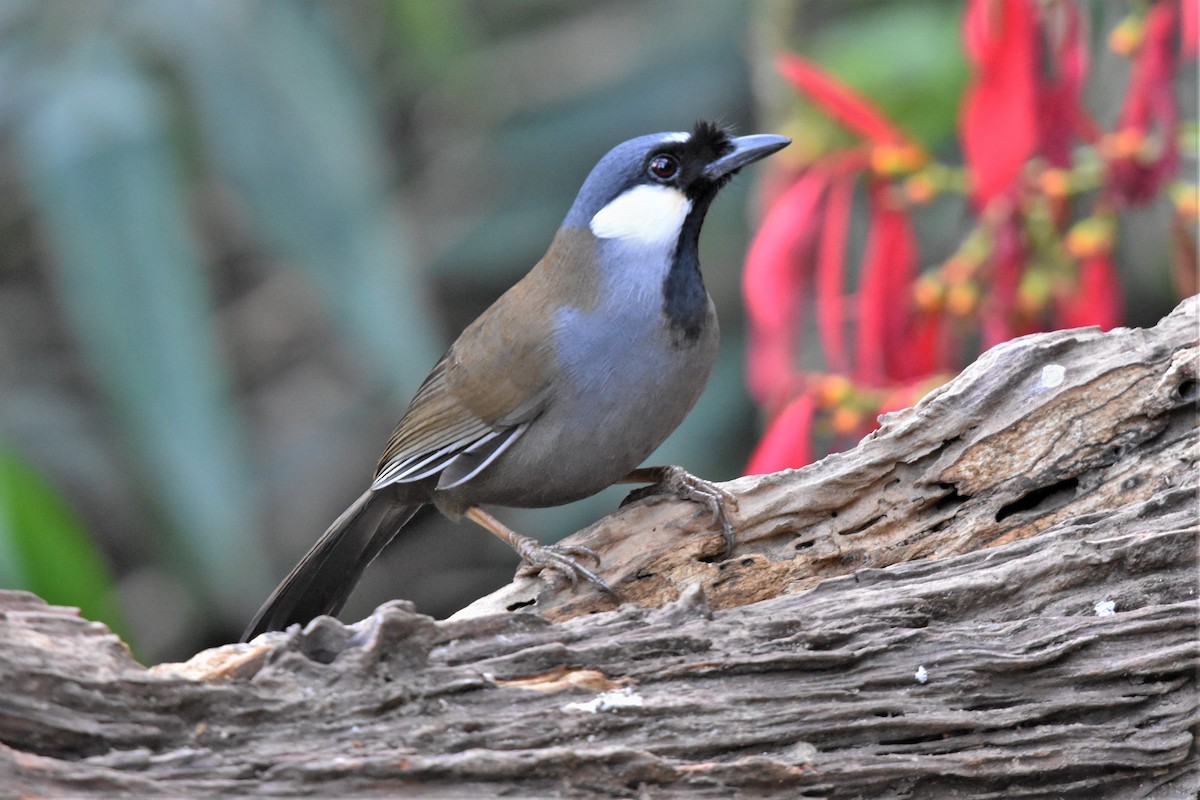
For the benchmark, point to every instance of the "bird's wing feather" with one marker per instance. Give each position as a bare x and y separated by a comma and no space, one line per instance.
440,434
474,459
470,409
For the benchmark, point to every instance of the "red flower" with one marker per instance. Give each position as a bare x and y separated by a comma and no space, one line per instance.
1189,37
1029,62
1060,112
884,308
786,442
831,272
1097,299
775,279
928,342
1007,262
1136,172
998,124
839,102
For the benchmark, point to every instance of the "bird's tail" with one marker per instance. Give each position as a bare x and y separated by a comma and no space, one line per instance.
326,575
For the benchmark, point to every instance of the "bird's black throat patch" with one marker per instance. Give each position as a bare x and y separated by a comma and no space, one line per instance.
685,300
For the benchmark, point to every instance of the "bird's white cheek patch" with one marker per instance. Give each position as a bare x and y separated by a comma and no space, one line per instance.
646,215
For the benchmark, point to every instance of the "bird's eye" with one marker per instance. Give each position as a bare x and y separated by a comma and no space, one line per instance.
663,166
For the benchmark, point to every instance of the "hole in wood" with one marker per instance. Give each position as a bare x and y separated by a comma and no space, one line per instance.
863,527
941,736
994,704
1186,390
521,604
1045,498
888,713
825,641
951,498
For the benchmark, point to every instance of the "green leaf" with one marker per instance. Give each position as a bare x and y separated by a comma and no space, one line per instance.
291,128
101,167
44,548
907,58
432,36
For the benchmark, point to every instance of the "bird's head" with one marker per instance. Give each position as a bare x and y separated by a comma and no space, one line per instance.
643,191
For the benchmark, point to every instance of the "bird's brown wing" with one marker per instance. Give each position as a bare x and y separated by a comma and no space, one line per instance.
494,380
440,434
466,414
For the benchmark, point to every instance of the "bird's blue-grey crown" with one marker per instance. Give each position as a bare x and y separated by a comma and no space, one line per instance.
697,163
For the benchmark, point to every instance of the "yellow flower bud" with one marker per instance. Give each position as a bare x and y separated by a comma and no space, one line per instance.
1090,237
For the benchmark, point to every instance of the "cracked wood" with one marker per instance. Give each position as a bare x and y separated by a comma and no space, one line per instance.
993,596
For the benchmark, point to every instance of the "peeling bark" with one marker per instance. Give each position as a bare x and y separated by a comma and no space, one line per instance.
993,596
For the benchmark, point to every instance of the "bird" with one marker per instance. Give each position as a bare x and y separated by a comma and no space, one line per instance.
564,385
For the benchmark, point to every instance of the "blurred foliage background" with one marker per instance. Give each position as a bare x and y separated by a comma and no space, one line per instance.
236,234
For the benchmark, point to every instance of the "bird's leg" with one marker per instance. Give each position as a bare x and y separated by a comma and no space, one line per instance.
537,557
672,480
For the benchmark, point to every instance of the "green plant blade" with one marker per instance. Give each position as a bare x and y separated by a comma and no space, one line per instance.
290,127
102,172
45,549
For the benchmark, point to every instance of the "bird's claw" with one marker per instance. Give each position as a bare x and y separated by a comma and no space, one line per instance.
678,482
562,558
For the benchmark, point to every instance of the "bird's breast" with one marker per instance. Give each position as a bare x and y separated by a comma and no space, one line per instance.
624,378
618,350
627,382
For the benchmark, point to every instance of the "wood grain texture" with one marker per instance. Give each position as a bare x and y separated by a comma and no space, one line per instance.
994,596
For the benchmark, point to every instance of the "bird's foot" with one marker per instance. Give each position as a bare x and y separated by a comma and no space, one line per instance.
678,482
562,558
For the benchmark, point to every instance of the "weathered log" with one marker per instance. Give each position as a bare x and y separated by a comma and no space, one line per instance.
994,595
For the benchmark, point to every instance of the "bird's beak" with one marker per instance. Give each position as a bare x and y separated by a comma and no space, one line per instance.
746,150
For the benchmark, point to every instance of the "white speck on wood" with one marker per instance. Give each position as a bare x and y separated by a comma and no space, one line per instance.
608,701
1053,375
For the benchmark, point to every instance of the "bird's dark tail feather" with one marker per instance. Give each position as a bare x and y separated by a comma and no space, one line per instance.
327,574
